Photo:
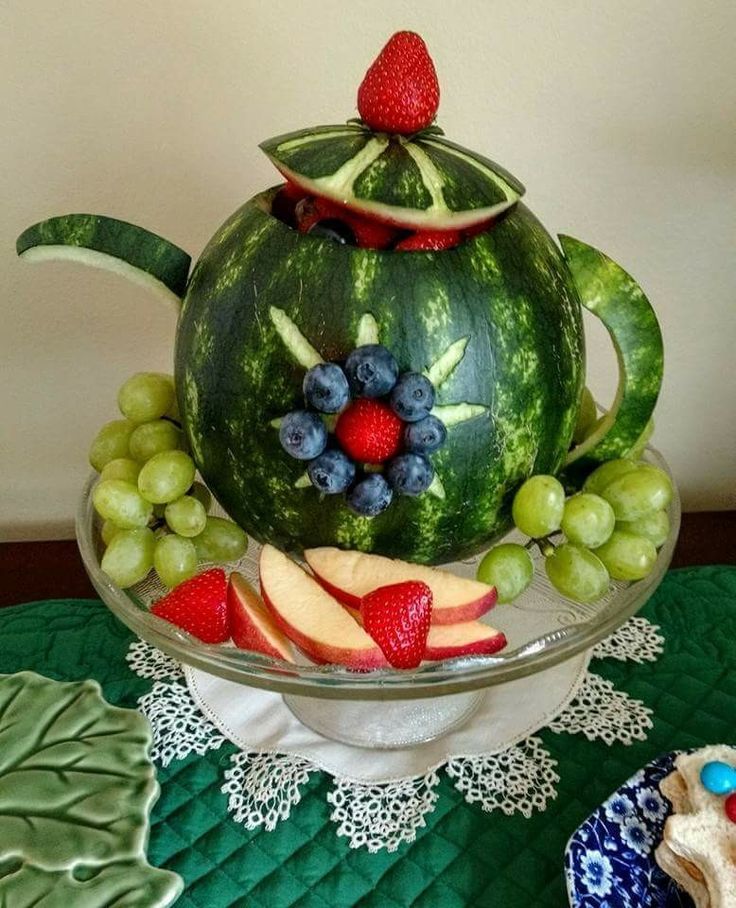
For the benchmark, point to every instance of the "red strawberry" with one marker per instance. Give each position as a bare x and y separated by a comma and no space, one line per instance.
430,241
198,606
369,431
368,233
397,617
400,92
292,191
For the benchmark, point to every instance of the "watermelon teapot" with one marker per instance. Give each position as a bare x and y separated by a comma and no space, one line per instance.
377,353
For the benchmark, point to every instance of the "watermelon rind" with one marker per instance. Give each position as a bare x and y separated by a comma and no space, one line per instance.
497,321
421,182
612,295
112,245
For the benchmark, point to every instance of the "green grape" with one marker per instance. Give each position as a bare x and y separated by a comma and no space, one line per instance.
201,493
655,527
152,438
129,556
175,559
121,468
627,556
166,477
108,530
122,503
606,473
538,506
639,492
577,573
186,516
508,567
173,411
220,541
637,449
110,443
146,396
587,520
587,416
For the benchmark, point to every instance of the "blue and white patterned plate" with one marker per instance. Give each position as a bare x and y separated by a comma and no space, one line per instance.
609,860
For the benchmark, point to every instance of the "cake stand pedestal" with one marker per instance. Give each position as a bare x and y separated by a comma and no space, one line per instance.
411,735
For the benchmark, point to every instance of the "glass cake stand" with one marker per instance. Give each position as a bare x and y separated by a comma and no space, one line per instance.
391,708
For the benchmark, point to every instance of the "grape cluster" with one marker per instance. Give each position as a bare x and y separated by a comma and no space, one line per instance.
611,529
155,513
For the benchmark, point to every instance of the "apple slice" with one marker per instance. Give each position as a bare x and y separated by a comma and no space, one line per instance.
349,576
471,638
311,618
251,624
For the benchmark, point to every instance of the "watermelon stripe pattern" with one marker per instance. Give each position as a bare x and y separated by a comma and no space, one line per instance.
422,182
611,294
112,244
507,291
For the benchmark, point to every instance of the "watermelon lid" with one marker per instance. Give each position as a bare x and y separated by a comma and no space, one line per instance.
394,164
419,181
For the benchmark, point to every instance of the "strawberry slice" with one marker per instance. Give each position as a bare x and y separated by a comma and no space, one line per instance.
397,617
198,606
400,93
430,241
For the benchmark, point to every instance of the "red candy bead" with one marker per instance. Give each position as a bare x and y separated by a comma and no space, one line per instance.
731,807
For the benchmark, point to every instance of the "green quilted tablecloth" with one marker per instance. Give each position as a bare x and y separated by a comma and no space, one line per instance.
463,857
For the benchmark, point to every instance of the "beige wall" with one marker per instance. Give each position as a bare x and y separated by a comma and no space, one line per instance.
618,116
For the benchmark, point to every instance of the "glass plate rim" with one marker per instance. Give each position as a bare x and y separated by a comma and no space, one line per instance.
338,682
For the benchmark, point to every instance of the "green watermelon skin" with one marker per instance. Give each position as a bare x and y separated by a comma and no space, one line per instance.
122,241
508,290
611,294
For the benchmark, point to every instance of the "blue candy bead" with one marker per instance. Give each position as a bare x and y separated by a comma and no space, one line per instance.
718,778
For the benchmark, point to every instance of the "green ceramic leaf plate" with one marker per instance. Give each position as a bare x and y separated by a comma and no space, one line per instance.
76,791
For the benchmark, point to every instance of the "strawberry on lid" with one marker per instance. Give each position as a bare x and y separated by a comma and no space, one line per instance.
400,92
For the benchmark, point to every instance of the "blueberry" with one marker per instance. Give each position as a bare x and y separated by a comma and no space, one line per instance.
371,371
412,397
303,434
371,496
326,388
331,472
332,229
410,474
425,436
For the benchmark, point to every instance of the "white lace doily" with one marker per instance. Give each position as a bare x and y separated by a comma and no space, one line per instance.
500,765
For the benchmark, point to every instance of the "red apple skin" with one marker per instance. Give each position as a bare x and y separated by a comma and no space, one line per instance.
245,632
324,654
437,650
458,614
321,652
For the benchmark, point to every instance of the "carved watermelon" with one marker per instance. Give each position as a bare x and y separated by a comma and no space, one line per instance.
495,323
